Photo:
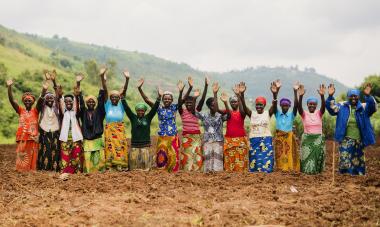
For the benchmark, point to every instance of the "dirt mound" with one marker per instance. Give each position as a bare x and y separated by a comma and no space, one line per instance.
159,198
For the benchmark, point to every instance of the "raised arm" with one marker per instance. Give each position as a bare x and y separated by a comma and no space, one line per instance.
224,98
196,94
301,93
41,99
103,79
275,88
370,106
146,99
331,106
321,91
191,83
295,89
180,86
153,110
10,96
126,75
215,89
242,89
237,93
203,98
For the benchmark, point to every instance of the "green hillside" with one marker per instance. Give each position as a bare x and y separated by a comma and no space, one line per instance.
23,57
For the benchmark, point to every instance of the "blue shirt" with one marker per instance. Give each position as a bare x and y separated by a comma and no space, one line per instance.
166,120
114,113
284,122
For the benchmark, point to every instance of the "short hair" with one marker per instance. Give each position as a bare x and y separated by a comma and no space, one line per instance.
209,101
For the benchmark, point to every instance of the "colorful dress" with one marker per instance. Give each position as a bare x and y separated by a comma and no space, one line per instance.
261,156
27,139
235,144
191,154
49,151
212,140
312,143
141,155
286,149
92,129
116,147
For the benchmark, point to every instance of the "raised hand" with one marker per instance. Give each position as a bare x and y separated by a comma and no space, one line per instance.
301,90
296,85
53,75
273,88
140,82
197,92
190,81
102,70
224,97
160,92
278,84
180,85
79,77
242,87
207,80
47,74
126,74
9,83
59,91
236,89
367,89
331,89
45,85
215,87
322,89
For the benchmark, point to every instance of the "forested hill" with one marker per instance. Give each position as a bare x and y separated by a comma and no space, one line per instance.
24,57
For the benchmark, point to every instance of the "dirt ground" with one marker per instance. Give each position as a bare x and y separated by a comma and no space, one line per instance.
189,199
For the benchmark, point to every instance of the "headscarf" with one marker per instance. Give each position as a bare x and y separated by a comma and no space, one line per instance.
312,99
114,92
49,94
93,98
28,95
285,101
261,100
141,106
353,92
167,93
234,98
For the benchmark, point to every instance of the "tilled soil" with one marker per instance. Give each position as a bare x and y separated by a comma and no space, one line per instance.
157,198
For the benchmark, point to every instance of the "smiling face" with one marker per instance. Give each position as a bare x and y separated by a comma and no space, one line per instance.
140,113
211,105
69,103
114,99
285,108
353,99
189,104
312,106
91,104
28,103
49,100
234,104
260,108
167,100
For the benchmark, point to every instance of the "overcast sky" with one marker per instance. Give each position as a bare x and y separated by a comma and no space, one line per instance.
340,39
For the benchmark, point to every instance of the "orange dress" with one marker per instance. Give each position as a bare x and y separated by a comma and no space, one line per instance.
27,139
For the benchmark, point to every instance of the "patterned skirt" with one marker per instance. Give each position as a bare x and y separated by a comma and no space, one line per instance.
235,154
49,152
94,158
191,154
167,153
116,147
351,157
71,157
261,157
142,158
312,153
286,151
26,155
213,156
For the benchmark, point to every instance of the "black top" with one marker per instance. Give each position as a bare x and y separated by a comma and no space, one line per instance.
140,126
92,121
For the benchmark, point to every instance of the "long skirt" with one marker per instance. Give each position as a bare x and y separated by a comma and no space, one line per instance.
235,154
261,157
191,154
286,151
116,146
49,152
312,153
167,156
94,158
26,155
351,157
143,158
71,157
213,156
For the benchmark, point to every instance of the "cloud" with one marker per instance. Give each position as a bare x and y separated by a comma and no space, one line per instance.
339,38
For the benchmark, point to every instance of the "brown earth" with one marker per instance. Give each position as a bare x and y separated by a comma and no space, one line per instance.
186,199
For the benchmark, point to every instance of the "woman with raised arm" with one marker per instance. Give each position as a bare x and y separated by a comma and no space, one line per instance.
213,131
261,156
235,140
116,147
167,156
353,129
27,132
71,134
141,155
286,151
49,127
92,114
313,141
191,154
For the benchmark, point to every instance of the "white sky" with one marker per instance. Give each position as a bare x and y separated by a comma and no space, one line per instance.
339,38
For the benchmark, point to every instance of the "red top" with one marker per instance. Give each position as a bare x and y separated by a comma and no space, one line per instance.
27,124
235,125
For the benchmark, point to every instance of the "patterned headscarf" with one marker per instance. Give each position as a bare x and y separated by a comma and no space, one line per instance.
49,94
28,95
285,101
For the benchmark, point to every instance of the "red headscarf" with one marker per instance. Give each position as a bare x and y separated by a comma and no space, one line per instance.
261,100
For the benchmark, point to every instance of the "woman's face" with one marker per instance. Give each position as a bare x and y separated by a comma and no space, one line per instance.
312,106
49,100
140,113
189,105
234,104
285,108
28,103
260,108
90,104
69,103
167,100
114,99
353,99
212,107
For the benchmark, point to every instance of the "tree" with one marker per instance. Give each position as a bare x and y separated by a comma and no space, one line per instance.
92,70
375,81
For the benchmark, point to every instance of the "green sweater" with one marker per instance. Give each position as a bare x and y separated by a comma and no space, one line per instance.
140,126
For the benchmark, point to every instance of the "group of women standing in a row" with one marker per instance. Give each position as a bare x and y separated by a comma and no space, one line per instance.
65,132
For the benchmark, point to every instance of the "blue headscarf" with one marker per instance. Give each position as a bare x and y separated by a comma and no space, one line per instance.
312,99
353,92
